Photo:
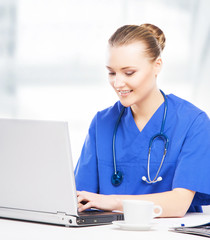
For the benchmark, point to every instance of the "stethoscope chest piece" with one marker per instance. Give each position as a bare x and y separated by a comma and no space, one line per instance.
117,178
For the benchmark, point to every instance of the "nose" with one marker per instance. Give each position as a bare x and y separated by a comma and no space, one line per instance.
119,81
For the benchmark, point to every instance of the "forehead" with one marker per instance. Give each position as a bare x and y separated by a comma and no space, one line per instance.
130,54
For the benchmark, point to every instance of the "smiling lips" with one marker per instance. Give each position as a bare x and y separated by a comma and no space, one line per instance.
124,93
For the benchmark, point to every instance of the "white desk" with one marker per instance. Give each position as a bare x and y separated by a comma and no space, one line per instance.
17,230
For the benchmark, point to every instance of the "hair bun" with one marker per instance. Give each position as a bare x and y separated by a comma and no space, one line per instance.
157,33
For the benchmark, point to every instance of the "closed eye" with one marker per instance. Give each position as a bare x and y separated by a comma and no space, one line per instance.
112,73
129,73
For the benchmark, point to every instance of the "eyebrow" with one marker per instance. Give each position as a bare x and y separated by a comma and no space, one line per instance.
121,68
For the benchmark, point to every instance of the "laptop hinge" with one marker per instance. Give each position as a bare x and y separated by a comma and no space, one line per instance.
61,213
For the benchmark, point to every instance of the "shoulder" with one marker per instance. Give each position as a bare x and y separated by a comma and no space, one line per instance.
186,116
183,105
107,116
110,113
182,108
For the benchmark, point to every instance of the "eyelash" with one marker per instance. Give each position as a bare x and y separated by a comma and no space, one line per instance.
111,73
127,74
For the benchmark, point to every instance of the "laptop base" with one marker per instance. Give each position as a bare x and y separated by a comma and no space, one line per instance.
61,218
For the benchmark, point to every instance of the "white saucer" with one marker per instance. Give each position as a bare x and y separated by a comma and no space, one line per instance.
128,226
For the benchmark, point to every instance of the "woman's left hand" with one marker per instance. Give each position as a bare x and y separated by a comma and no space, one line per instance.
88,200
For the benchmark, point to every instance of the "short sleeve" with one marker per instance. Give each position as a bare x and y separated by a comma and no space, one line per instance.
193,165
86,173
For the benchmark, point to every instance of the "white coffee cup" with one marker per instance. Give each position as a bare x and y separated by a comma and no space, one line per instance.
140,212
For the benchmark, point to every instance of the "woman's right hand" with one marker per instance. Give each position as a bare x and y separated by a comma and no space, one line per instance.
87,200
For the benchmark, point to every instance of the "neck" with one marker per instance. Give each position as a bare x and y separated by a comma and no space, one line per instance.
145,109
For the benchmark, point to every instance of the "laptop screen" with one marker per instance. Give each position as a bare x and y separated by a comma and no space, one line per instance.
36,170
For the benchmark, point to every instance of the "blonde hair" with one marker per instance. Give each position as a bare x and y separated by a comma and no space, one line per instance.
152,36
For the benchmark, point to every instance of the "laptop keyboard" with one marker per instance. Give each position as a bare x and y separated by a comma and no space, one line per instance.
91,212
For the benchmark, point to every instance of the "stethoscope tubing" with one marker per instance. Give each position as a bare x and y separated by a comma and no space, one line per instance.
114,138
117,176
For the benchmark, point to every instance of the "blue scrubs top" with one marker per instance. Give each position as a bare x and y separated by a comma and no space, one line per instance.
187,162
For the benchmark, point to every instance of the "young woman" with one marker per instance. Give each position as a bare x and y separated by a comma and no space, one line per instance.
148,145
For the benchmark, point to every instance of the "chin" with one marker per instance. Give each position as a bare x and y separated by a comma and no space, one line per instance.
125,104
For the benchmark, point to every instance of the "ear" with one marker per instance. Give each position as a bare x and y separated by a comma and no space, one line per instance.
158,65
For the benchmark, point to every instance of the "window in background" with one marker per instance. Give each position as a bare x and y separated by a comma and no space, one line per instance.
52,55
8,83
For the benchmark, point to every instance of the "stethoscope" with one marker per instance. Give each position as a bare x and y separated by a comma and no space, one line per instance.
117,176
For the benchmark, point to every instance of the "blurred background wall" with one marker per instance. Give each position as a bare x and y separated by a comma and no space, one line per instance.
53,56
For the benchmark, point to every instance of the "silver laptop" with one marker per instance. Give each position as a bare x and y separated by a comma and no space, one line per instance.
36,175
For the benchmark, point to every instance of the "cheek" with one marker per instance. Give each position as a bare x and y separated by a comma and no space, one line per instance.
138,81
147,78
111,81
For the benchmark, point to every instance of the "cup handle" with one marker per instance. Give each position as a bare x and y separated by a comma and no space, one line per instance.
160,211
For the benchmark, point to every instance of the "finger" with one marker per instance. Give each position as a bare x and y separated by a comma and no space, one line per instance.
78,192
83,197
82,200
85,207
79,205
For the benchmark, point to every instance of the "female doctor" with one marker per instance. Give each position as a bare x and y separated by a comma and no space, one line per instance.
148,145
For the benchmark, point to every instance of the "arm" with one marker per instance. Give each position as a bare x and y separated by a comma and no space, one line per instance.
86,167
174,203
